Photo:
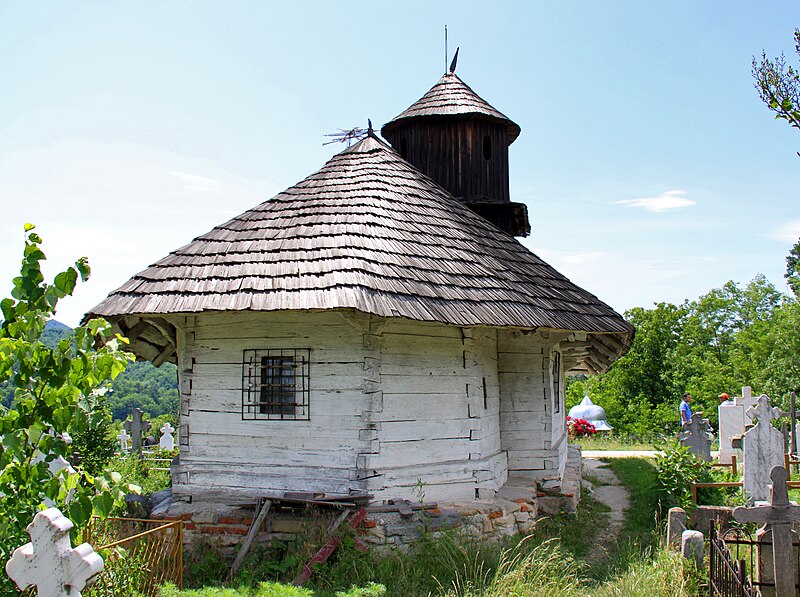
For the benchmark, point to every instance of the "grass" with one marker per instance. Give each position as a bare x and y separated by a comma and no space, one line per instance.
612,441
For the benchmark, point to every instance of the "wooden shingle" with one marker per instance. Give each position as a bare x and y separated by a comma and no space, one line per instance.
369,232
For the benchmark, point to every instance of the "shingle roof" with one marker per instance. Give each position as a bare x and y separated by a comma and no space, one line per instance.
369,232
451,97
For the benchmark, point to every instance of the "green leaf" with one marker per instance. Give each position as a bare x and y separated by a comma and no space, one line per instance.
82,266
66,280
103,503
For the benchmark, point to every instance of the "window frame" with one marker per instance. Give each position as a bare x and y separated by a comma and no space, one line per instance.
557,376
275,384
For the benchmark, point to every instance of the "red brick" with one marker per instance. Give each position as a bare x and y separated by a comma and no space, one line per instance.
369,524
230,520
187,516
189,526
525,508
211,529
520,500
237,530
495,514
433,511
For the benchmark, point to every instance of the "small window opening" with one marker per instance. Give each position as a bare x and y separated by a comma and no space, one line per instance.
404,149
487,147
557,382
275,384
485,400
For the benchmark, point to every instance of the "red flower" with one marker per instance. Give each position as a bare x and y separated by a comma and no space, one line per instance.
579,427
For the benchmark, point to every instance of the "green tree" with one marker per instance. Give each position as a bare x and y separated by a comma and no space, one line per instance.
792,274
51,384
778,85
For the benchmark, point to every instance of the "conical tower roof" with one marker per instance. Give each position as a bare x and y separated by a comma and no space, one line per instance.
450,96
368,232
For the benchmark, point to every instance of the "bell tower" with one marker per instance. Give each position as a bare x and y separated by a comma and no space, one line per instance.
454,136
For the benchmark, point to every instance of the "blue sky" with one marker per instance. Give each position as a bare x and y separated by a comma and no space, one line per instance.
650,169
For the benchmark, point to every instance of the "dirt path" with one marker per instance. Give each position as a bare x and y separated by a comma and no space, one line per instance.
608,491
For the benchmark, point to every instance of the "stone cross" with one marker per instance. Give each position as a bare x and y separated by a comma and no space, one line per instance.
746,400
167,441
695,437
779,515
763,449
136,426
123,438
49,562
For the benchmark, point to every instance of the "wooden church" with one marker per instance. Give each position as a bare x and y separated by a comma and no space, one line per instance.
374,326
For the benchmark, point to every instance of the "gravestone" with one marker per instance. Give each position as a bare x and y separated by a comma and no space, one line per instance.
676,524
747,400
778,516
124,439
167,440
49,562
136,426
692,547
695,437
765,562
731,424
763,449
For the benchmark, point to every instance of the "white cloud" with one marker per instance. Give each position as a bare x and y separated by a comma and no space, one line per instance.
666,201
196,183
788,231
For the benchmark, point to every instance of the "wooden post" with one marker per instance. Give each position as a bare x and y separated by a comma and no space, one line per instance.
258,520
693,488
793,414
733,464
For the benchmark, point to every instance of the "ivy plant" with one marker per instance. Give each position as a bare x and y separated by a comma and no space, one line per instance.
52,390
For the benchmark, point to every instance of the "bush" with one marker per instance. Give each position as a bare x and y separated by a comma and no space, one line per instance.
677,469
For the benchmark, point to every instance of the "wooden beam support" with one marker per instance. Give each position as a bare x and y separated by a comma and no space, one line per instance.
251,535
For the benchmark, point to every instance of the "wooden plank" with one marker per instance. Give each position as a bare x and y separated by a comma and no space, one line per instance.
248,540
426,429
420,453
330,545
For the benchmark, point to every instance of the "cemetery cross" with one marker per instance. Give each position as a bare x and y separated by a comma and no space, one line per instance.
779,514
123,438
695,437
763,448
49,562
136,426
167,440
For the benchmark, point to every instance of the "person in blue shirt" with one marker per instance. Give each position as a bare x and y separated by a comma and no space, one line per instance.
685,409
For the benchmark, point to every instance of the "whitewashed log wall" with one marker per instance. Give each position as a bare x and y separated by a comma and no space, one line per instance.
392,402
532,432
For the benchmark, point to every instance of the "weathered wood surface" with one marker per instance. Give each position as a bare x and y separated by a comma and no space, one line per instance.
531,434
450,96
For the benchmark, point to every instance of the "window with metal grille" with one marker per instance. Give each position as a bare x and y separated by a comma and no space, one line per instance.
275,384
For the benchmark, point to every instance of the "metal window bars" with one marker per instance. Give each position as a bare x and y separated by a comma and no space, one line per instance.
275,384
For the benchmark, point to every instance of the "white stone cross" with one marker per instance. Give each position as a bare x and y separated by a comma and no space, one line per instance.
763,448
167,441
123,438
778,515
136,426
49,562
762,411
